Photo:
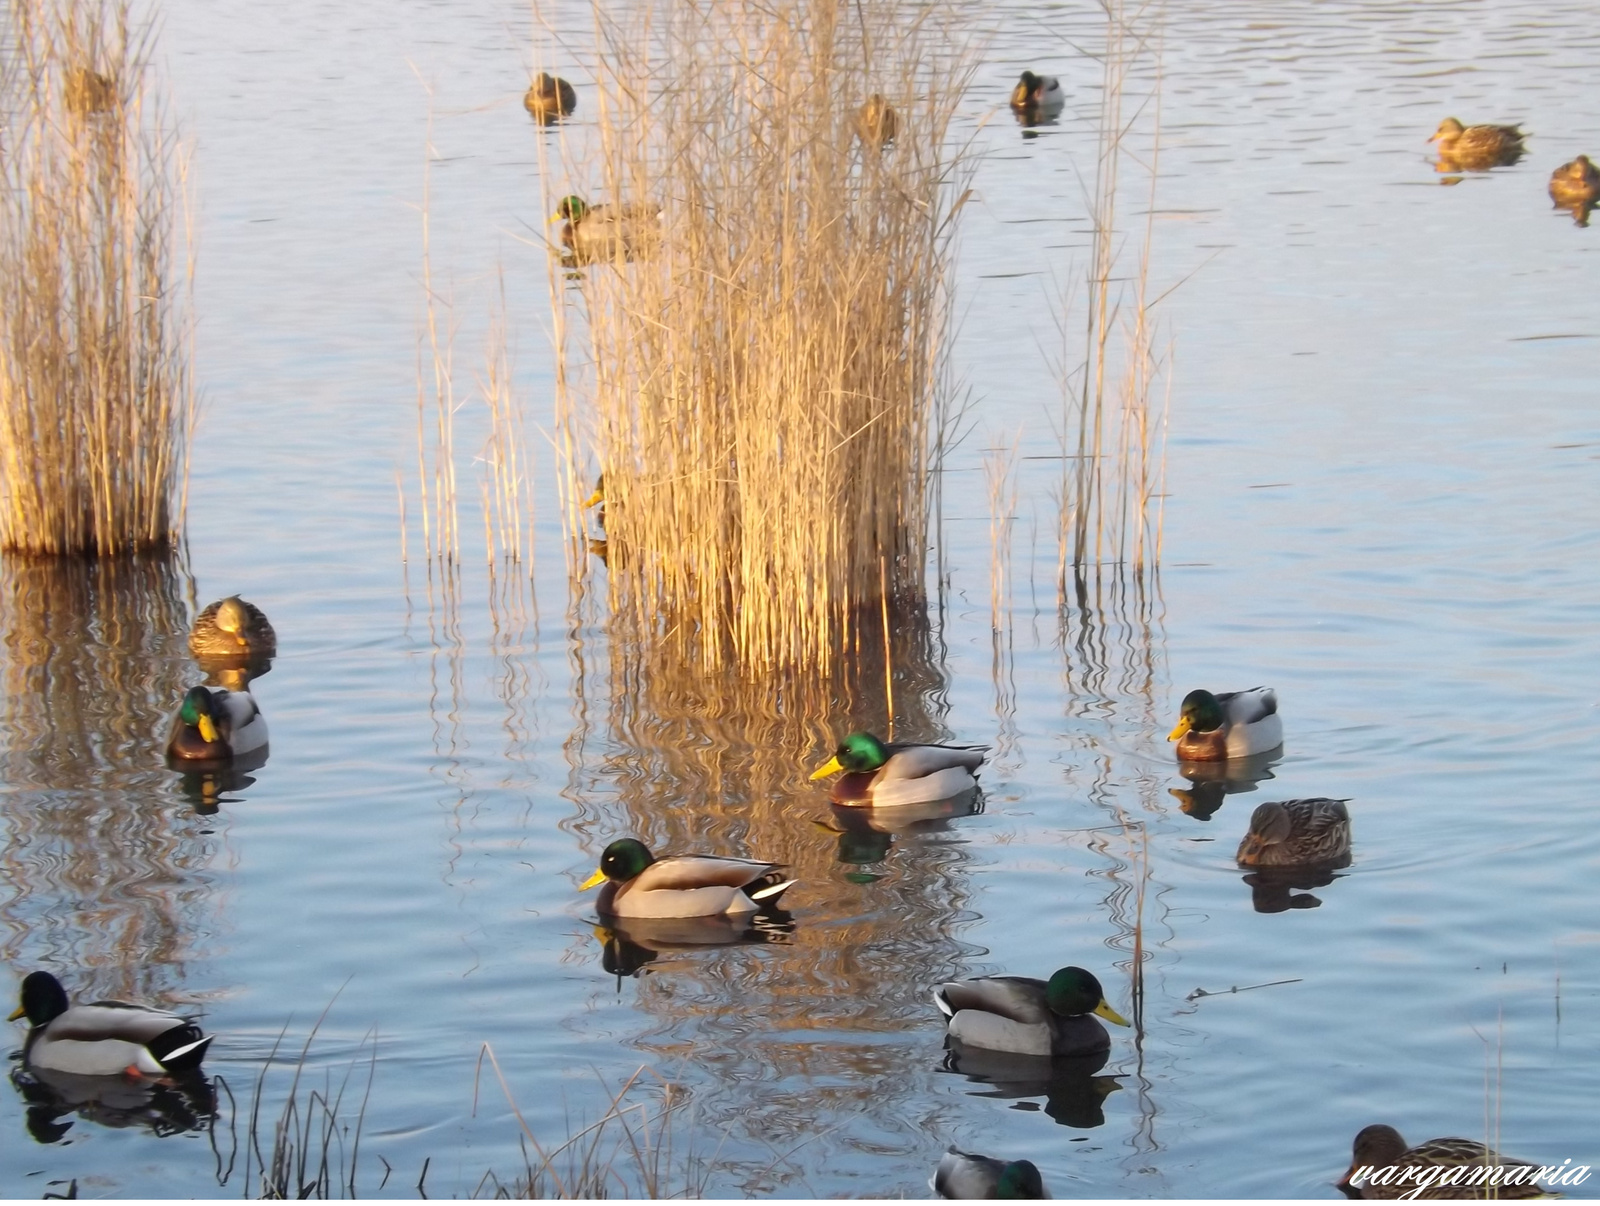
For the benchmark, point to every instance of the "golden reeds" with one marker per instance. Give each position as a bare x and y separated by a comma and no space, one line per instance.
767,373
96,402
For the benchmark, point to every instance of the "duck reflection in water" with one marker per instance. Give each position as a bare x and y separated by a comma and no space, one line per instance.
1074,1094
172,1105
1210,783
865,834
628,944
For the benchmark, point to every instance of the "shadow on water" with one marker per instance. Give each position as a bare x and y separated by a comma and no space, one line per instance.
1280,889
1211,783
169,1106
108,883
1074,1094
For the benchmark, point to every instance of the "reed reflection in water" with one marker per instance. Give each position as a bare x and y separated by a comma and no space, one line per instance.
109,882
840,1002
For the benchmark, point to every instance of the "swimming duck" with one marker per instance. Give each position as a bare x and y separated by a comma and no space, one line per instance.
964,1176
682,885
1380,1147
89,92
1040,94
104,1038
1235,724
232,628
215,724
881,775
1476,148
876,122
549,97
1296,833
1575,184
1029,1016
603,232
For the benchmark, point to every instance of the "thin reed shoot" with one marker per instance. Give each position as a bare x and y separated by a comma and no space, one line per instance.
96,399
767,375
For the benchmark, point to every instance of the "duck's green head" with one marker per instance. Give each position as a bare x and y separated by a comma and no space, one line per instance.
572,209
199,711
857,752
1201,712
1020,1180
622,861
43,999
1073,992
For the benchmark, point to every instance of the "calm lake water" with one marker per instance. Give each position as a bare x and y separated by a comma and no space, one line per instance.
1381,475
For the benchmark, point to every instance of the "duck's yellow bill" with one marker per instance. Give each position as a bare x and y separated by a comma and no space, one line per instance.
1109,1014
831,767
1179,729
208,730
18,1013
597,877
599,496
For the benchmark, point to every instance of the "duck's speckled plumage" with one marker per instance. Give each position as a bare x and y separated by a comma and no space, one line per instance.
549,97
1297,833
1380,1147
1476,148
232,629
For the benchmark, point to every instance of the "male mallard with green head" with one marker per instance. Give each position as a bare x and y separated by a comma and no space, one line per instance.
963,1176
216,725
637,884
233,629
1297,833
1234,724
1037,95
549,97
1027,1016
592,233
1447,1166
104,1038
1476,148
882,775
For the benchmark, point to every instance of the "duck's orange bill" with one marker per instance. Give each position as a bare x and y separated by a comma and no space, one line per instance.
594,879
831,767
1179,729
20,1012
1109,1014
597,497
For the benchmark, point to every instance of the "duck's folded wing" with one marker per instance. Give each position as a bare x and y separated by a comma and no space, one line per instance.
685,871
1247,707
1019,998
966,1177
919,761
103,1020
1318,816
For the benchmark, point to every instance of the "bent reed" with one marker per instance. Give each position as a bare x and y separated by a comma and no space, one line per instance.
768,377
96,402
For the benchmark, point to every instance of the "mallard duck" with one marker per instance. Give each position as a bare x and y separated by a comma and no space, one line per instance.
215,725
1476,148
876,122
593,233
1028,1016
1575,184
682,885
1296,833
962,1175
104,1038
89,92
549,97
234,629
882,776
1378,1149
1037,94
1235,724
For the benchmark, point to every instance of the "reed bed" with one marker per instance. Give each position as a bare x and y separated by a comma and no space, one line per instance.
96,398
1115,420
767,374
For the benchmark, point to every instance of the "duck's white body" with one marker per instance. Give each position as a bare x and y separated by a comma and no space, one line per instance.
1010,1013
968,1177
249,725
914,774
1254,726
694,885
105,1038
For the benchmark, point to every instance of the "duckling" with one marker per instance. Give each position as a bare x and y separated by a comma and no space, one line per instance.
234,629
1235,724
682,885
1029,1016
549,98
1476,148
1039,95
1297,833
1575,184
881,775
214,725
1379,1147
876,122
964,1176
104,1038
603,232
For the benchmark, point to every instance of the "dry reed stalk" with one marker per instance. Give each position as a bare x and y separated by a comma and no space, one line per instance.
96,399
769,374
507,500
1115,470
